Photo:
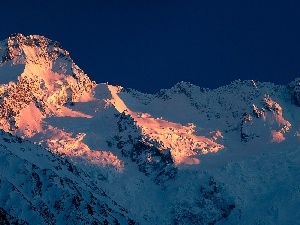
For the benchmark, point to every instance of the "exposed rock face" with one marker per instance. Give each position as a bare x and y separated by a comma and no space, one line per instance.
210,197
49,77
7,219
294,88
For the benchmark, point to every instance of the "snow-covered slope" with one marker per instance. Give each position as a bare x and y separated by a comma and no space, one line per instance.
39,187
186,155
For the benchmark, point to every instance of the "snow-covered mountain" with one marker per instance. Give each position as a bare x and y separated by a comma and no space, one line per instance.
76,152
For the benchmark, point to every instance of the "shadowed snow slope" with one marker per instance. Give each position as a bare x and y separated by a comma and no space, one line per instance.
77,152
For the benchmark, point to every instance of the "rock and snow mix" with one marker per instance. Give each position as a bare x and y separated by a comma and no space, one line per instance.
76,152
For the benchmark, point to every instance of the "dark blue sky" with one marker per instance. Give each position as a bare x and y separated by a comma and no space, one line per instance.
149,45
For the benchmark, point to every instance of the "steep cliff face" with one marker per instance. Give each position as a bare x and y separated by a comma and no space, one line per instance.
46,77
96,153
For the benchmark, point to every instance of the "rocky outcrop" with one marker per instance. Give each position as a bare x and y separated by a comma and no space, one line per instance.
294,88
152,159
210,207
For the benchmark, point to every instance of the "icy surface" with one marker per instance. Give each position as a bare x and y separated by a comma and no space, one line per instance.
186,155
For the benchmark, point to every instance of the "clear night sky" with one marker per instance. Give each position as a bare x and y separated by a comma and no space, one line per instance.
149,45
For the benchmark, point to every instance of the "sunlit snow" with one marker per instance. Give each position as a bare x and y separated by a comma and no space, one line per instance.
186,155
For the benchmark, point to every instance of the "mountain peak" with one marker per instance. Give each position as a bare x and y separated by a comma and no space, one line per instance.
17,46
36,71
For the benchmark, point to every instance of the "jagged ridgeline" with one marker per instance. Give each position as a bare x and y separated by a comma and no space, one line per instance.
76,152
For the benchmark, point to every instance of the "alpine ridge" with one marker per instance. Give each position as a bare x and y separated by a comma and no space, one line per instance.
76,152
